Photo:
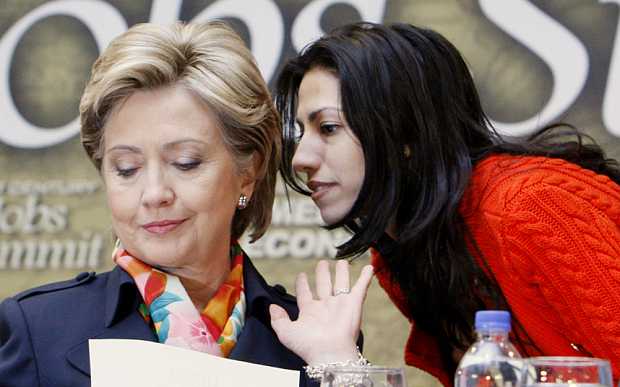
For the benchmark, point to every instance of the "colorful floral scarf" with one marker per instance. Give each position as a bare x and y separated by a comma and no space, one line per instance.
174,317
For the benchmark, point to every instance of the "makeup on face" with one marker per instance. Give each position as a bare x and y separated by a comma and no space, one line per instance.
172,185
327,153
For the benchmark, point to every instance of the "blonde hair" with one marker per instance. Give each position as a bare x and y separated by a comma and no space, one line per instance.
212,61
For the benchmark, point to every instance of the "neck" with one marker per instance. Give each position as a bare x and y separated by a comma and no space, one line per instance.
201,282
201,291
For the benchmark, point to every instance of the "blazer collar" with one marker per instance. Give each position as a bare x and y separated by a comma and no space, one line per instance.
122,321
121,296
258,293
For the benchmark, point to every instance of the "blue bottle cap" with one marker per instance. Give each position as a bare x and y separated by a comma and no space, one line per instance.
493,320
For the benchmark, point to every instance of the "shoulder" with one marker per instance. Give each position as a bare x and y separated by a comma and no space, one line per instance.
528,212
283,294
54,306
258,285
86,287
55,287
260,294
500,182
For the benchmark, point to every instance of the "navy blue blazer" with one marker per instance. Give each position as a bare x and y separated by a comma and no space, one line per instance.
44,332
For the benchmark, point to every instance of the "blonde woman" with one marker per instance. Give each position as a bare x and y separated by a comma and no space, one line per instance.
181,127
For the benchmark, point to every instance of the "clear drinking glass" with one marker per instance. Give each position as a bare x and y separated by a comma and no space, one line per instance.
549,371
367,376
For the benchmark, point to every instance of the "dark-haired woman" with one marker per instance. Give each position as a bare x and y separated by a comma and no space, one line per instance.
385,127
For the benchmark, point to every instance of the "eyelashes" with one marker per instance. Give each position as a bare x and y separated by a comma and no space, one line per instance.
126,172
325,129
187,166
181,166
329,128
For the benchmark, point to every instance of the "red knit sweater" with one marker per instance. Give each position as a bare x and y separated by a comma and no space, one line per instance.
550,233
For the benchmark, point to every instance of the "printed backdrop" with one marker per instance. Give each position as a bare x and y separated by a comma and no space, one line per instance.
534,62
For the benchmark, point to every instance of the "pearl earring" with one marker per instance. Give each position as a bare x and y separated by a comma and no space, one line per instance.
243,202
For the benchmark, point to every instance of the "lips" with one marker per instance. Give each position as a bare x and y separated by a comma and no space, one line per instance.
161,227
319,188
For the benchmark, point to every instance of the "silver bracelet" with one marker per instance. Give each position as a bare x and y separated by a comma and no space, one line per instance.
316,371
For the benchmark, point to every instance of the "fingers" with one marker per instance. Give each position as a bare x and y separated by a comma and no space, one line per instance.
302,290
341,278
363,282
277,312
341,282
280,321
323,280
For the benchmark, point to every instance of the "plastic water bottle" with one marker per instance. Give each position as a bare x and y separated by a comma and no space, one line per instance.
492,361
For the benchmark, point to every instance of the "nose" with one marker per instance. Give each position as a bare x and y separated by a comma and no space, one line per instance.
157,191
308,155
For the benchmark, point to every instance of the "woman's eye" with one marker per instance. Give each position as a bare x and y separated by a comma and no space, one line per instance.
186,166
329,128
126,172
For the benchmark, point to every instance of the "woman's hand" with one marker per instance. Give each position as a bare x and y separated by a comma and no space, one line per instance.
327,328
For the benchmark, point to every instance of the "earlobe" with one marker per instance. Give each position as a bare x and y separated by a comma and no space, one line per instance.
247,188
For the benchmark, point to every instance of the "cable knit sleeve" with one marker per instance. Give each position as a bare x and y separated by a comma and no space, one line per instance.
557,234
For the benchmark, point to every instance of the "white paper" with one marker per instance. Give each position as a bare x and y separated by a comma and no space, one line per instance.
137,363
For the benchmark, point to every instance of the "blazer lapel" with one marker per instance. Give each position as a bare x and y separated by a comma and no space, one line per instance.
132,327
121,317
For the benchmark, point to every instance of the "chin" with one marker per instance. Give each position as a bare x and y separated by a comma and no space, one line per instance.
332,217
160,257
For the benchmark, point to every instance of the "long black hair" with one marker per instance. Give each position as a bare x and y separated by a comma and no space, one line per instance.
408,96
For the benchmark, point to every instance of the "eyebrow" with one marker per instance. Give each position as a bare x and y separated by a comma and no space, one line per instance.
183,141
135,149
129,148
313,114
